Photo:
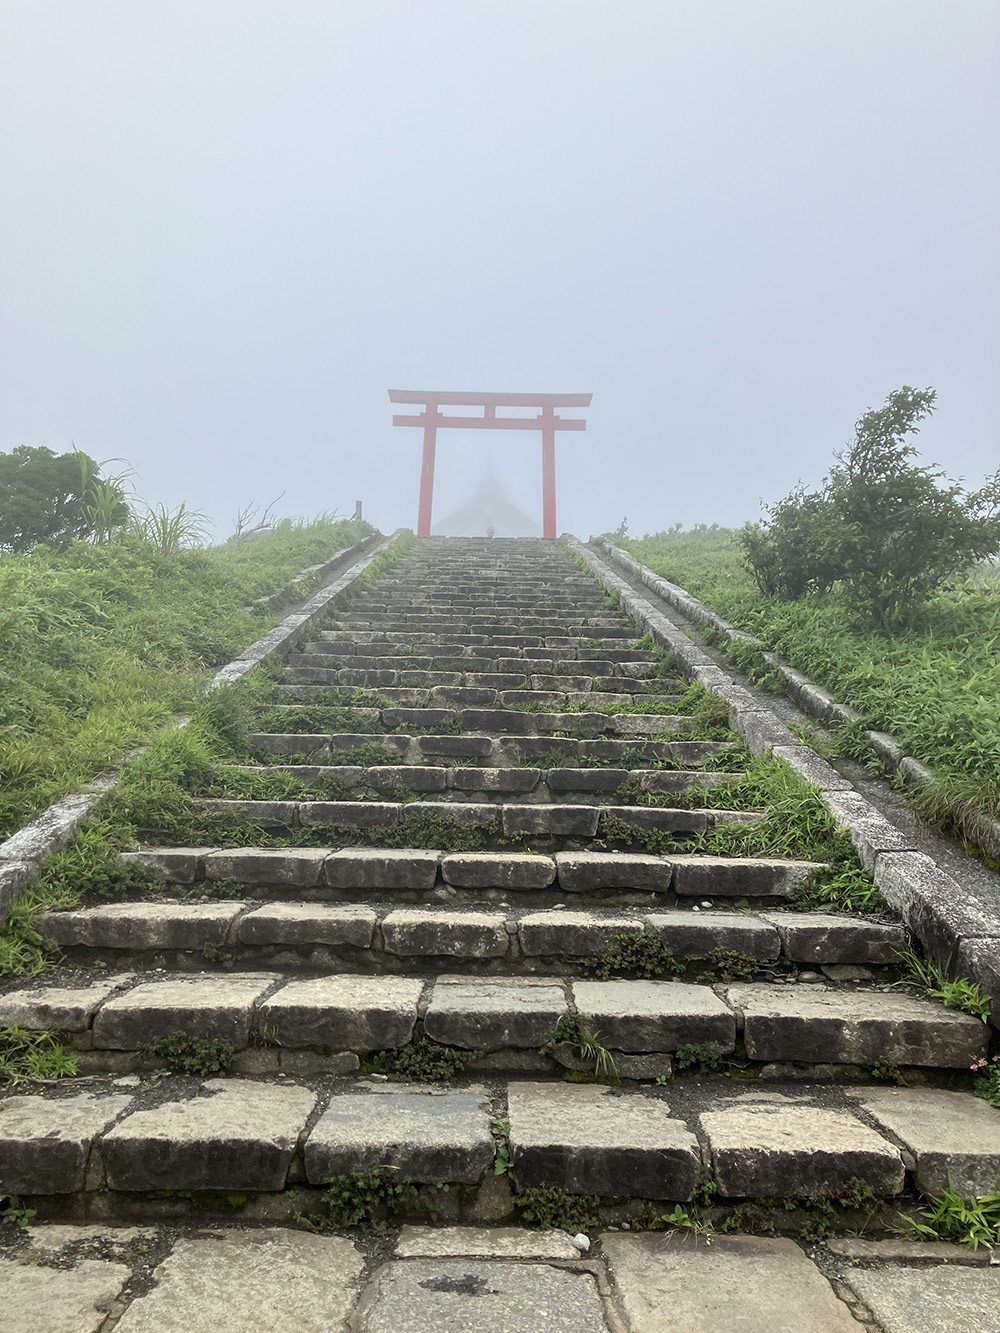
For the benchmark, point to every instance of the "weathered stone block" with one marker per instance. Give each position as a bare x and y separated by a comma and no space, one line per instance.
585,872
349,814
563,821
695,934
738,877
586,1140
498,870
65,1008
657,818
819,1025
412,777
417,931
671,1281
143,925
309,923
954,1137
214,1007
240,1280
474,814
773,1147
176,865
586,779
298,867
871,833
45,1142
491,1015
655,1015
495,779
370,868
345,1013
573,933
427,1136
823,937
37,1299
241,1136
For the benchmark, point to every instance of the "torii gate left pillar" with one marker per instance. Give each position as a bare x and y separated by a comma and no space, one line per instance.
547,421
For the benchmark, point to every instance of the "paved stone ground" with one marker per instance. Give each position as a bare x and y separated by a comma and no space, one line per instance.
89,1279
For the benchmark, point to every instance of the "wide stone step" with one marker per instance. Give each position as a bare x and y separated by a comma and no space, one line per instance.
353,1013
369,690
193,935
325,873
547,661
257,1138
537,819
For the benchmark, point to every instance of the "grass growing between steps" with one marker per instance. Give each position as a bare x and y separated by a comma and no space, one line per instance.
796,825
935,687
100,644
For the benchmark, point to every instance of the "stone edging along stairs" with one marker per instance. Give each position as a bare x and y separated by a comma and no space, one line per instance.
977,829
954,926
495,875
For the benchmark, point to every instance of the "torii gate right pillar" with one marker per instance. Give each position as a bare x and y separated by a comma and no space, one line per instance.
548,471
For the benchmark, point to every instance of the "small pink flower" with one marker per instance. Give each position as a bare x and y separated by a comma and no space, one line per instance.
979,1064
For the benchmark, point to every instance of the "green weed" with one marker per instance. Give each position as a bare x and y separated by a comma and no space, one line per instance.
552,1209
184,1054
422,1061
953,992
971,1222
28,1055
368,1200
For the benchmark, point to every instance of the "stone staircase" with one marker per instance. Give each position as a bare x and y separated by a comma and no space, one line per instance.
475,745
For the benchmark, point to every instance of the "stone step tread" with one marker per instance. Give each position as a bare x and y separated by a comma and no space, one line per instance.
817,939
599,783
557,819
552,662
369,695
242,1134
351,1012
374,868
501,722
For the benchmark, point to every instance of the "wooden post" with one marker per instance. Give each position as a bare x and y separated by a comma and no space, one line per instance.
548,471
427,472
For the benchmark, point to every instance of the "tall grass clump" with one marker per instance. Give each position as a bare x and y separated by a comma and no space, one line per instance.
100,642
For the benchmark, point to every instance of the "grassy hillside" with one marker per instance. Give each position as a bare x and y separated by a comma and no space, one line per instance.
936,687
99,644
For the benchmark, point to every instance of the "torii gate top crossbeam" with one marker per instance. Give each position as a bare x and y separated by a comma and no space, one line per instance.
547,422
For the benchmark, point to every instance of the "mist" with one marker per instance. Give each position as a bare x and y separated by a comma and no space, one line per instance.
228,227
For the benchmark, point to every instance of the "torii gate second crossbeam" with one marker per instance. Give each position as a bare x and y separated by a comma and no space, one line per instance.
547,422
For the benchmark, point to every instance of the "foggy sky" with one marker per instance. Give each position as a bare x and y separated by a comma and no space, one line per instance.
227,227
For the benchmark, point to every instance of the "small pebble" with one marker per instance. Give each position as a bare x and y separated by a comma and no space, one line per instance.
810,976
707,904
582,1242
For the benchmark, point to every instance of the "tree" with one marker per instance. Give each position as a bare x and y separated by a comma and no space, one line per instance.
883,530
49,497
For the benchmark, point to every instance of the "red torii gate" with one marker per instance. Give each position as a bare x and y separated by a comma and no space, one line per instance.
547,422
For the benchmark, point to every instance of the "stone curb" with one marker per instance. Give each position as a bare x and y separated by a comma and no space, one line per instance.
23,854
950,924
981,830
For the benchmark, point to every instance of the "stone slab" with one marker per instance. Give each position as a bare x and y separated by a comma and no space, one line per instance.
938,1299
233,1134
363,868
219,1007
951,1134
45,1142
498,870
818,1024
586,872
591,1139
309,923
862,1251
740,1284
576,934
483,1243
57,1300
871,833
738,877
428,1136
349,814
695,934
292,867
772,1146
250,1282
411,932
66,1008
345,1012
479,1296
143,925
825,937
564,821
491,1015
655,1015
